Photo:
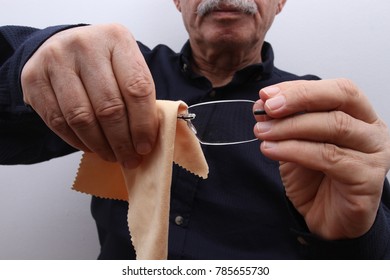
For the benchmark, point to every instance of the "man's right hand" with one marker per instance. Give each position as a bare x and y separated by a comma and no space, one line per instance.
92,87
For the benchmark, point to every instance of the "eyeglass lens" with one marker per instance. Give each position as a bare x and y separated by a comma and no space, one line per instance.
224,122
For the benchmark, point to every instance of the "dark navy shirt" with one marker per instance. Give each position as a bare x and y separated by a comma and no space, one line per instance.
239,212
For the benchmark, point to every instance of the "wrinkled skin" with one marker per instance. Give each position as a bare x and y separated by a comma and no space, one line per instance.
333,157
93,88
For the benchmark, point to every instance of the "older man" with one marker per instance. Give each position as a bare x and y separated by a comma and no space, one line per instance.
316,189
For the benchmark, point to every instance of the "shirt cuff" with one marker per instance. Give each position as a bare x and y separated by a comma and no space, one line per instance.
31,42
375,244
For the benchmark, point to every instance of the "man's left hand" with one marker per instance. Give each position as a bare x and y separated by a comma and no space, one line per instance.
334,153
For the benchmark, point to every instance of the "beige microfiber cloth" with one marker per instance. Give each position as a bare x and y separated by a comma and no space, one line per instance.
147,188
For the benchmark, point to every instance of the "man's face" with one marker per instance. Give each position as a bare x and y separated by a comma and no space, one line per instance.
226,23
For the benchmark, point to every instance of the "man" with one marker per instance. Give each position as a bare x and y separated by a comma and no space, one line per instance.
316,188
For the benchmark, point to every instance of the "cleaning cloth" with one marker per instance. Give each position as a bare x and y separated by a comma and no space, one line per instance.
147,187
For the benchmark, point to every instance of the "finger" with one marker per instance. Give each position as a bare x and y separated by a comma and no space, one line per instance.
79,114
334,127
50,112
308,96
38,93
138,92
345,165
259,111
109,108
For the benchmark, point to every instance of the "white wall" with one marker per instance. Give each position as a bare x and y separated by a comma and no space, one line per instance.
41,218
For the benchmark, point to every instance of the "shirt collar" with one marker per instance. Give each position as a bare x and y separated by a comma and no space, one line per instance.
254,72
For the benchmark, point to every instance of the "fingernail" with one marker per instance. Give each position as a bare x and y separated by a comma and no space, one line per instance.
263,127
276,102
271,90
269,144
143,148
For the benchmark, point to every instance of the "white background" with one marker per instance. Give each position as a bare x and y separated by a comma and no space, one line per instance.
42,218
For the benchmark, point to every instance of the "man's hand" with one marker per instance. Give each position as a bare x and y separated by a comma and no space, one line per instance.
93,88
334,153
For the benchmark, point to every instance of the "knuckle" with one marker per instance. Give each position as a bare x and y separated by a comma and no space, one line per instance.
80,118
34,77
348,88
29,74
112,110
78,49
382,126
340,124
303,94
335,157
116,29
331,154
51,52
69,44
139,87
57,122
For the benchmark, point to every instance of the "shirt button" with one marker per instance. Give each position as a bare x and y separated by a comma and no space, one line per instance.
185,67
302,241
213,93
179,220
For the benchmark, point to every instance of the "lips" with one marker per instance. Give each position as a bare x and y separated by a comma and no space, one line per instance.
226,8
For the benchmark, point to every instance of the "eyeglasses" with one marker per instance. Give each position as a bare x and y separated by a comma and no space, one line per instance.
222,122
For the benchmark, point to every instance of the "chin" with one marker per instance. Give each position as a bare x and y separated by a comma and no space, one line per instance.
231,41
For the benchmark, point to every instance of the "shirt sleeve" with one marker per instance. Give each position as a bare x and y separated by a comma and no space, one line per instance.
375,244
24,138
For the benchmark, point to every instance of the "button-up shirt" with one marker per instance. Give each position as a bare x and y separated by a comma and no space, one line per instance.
239,212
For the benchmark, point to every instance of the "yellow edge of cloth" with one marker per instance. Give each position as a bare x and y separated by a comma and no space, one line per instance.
147,188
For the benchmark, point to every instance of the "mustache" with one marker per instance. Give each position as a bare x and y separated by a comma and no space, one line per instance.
245,6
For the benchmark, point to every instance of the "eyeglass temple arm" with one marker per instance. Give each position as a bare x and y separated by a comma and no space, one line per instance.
259,112
190,116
